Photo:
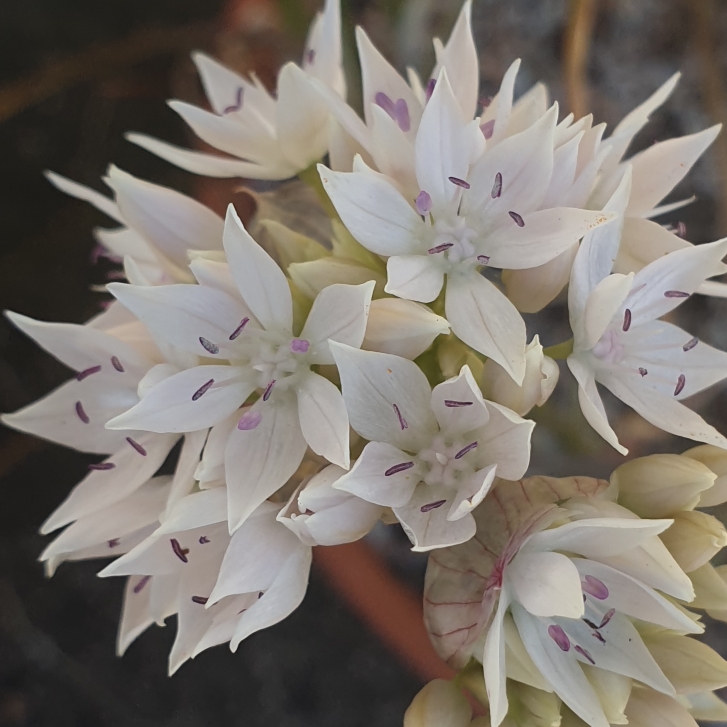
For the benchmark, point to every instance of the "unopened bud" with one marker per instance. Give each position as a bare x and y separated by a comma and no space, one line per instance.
707,707
541,376
439,704
661,485
613,691
312,277
694,539
710,589
648,708
534,706
716,459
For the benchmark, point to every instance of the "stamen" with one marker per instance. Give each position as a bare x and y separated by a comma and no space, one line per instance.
627,320
488,129
204,540
402,422
208,346
643,371
463,452
429,90
239,329
102,466
398,468
681,230
432,506
423,203
485,101
584,653
81,375
179,551
402,115
459,182
117,364
689,345
497,186
140,585
113,542
607,617
519,221
200,599
238,102
587,622
299,345
249,420
675,294
559,636
440,248
681,382
202,390
268,390
599,636
595,587
384,101
82,413
452,404
136,446
484,259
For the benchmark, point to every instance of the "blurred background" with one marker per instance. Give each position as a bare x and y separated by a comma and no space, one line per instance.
74,76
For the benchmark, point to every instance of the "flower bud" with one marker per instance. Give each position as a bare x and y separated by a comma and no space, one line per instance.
287,246
533,707
439,704
716,459
613,691
710,589
312,277
661,485
707,707
694,538
541,376
648,708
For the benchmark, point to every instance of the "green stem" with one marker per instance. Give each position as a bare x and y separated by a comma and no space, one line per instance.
311,177
560,350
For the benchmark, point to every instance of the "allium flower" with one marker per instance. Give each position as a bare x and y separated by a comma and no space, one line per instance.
433,454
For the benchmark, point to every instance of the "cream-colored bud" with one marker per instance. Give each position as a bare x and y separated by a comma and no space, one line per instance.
287,246
439,704
613,692
707,707
719,612
519,664
312,277
691,666
716,459
533,707
541,376
694,539
661,485
452,355
710,589
648,708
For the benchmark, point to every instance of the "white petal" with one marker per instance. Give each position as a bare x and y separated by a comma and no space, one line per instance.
323,419
458,404
414,277
80,191
261,282
493,662
642,242
485,319
505,441
346,523
189,459
393,151
602,305
135,614
501,105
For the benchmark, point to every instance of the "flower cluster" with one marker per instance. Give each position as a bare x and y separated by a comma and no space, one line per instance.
303,390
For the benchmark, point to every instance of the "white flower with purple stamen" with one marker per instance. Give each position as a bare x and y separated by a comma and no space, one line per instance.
249,345
618,341
432,454
476,209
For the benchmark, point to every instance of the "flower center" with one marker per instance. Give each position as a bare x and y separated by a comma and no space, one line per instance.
448,463
609,348
278,362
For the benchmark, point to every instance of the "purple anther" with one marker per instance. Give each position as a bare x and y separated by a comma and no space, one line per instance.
598,635
249,420
299,345
485,101
484,259
201,600
204,540
239,329
587,622
452,404
81,375
139,587
440,248
423,203
102,466
559,636
117,364
643,371
517,219
238,102
310,56
402,115
488,129
203,389
432,506
675,294
462,452
497,186
429,90
384,101
595,587
584,654
681,382
402,422
607,617
82,413
689,345
208,346
113,542
681,230
398,468
459,182
627,320
268,390
136,446
179,551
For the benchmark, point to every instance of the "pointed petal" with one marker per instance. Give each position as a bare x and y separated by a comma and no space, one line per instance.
493,662
458,404
601,307
414,277
135,613
80,191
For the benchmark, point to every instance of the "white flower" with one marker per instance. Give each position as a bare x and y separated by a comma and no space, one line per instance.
649,364
432,454
159,225
473,210
247,340
265,136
